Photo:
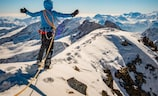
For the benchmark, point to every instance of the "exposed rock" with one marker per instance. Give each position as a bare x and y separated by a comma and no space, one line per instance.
71,92
104,93
85,28
123,70
88,26
133,87
109,80
150,67
138,60
125,43
117,92
131,67
139,79
76,68
130,86
77,85
156,58
151,33
109,83
148,42
111,25
124,75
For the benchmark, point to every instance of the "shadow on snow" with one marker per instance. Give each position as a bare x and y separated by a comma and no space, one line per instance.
8,80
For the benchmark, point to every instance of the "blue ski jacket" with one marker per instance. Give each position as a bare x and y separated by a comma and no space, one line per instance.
51,14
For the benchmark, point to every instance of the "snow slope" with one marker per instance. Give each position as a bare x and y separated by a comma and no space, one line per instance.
97,60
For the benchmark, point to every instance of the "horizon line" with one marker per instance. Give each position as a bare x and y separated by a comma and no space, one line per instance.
20,15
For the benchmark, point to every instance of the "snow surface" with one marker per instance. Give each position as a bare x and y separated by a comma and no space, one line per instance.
86,59
99,50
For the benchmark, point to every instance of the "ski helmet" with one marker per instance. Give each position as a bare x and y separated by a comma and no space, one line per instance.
48,4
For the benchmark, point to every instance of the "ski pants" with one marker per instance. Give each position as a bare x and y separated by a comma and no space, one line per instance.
45,39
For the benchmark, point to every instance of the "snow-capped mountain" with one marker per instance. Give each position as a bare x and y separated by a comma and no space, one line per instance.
69,26
10,22
152,33
85,28
111,25
90,59
133,21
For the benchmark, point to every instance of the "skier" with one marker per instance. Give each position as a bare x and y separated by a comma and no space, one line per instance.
48,16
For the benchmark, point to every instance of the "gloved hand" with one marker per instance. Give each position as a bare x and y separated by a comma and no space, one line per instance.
23,10
75,13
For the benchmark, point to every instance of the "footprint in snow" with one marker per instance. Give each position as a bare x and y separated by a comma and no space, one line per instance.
10,68
48,80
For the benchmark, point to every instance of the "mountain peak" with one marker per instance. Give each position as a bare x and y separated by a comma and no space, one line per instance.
85,28
111,25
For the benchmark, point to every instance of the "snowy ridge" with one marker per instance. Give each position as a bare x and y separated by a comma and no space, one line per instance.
88,59
99,60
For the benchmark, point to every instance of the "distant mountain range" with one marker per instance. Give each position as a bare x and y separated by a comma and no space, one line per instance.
133,21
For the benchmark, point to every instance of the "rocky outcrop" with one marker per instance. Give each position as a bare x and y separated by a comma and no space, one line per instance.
104,93
88,26
146,41
109,82
152,33
77,85
133,87
111,25
85,28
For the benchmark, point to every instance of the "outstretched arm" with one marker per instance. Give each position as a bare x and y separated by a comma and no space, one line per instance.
33,14
58,14
24,10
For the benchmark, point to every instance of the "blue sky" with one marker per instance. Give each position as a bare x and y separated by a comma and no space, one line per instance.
86,7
